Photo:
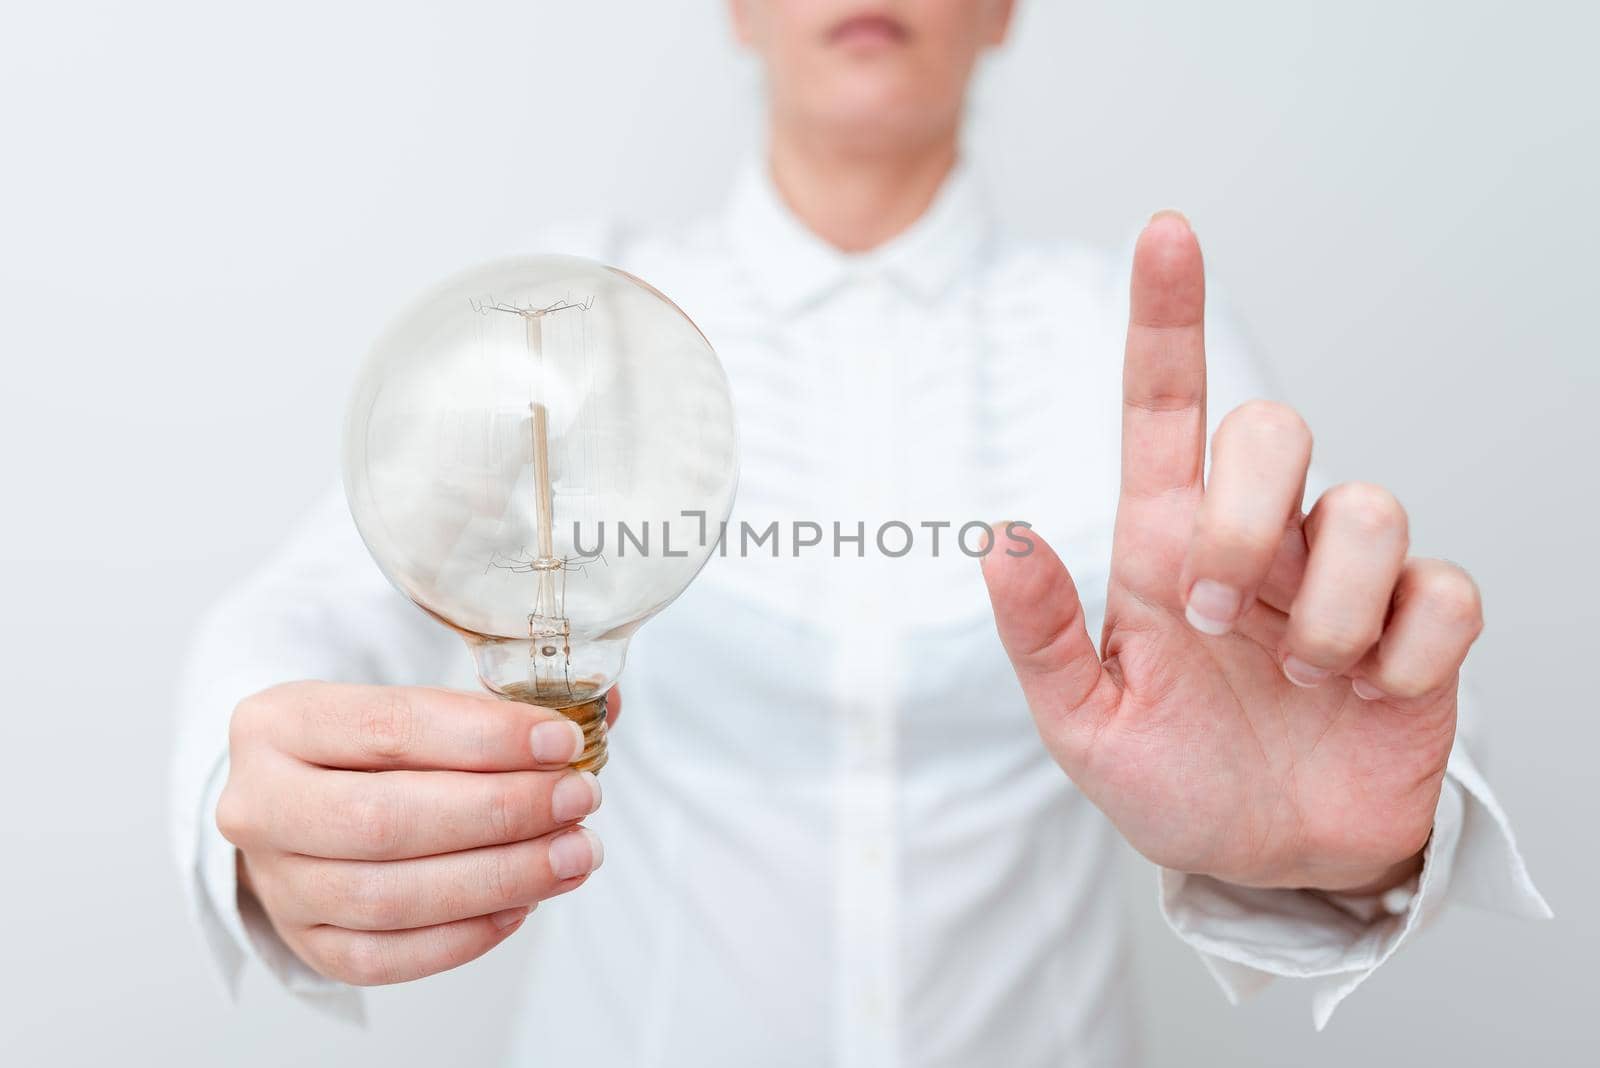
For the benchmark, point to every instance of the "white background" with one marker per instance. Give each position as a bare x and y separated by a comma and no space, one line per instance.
207,209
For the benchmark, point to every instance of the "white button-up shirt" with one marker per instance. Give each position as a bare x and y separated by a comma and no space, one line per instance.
833,836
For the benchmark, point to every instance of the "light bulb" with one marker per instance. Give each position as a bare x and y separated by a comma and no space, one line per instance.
540,453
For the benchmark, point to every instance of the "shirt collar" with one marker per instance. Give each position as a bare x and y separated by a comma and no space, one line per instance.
793,267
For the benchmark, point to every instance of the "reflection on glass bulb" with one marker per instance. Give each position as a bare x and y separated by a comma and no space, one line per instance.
535,453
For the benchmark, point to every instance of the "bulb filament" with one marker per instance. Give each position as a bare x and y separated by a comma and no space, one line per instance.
549,629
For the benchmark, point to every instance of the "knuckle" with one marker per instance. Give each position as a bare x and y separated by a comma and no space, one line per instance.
386,729
1406,682
1271,422
254,716
495,732
1449,595
1326,642
511,813
372,899
247,720
323,889
315,952
363,960
295,695
294,691
1234,534
234,816
374,824
1371,510
510,876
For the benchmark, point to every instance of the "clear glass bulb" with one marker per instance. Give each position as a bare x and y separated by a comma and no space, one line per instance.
540,453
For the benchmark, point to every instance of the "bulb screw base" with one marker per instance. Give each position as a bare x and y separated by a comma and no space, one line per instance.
577,703
591,716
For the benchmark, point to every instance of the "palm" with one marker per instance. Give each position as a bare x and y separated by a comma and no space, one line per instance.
1208,733
1198,746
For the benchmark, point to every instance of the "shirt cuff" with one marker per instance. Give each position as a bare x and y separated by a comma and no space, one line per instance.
237,929
1246,936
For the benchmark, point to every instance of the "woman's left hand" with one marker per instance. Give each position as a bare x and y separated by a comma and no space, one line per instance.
1276,699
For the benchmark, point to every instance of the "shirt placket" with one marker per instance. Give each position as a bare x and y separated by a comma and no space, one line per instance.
859,370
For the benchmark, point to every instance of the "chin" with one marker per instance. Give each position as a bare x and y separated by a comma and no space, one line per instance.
879,111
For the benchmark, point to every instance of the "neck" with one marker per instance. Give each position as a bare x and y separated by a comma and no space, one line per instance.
856,199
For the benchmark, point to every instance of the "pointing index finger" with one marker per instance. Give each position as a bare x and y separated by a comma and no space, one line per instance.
1164,367
375,728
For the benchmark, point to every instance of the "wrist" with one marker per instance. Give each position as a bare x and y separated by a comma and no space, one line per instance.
1391,877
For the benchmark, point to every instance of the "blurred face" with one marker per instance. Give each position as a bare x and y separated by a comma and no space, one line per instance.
870,73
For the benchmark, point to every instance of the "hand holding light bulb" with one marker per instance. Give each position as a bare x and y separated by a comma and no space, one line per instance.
327,789
533,454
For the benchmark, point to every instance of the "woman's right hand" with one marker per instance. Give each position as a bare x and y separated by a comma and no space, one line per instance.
394,832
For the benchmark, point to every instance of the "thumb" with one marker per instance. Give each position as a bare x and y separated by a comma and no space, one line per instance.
1041,625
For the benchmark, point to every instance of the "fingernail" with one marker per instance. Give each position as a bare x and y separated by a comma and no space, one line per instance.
1366,691
1171,213
575,796
1301,673
557,741
578,852
1212,607
509,917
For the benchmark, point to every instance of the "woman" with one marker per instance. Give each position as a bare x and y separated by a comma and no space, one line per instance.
833,834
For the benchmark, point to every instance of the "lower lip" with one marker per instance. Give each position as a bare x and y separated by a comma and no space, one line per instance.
868,33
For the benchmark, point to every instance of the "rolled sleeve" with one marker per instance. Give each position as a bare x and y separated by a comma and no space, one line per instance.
318,609
1247,936
237,929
